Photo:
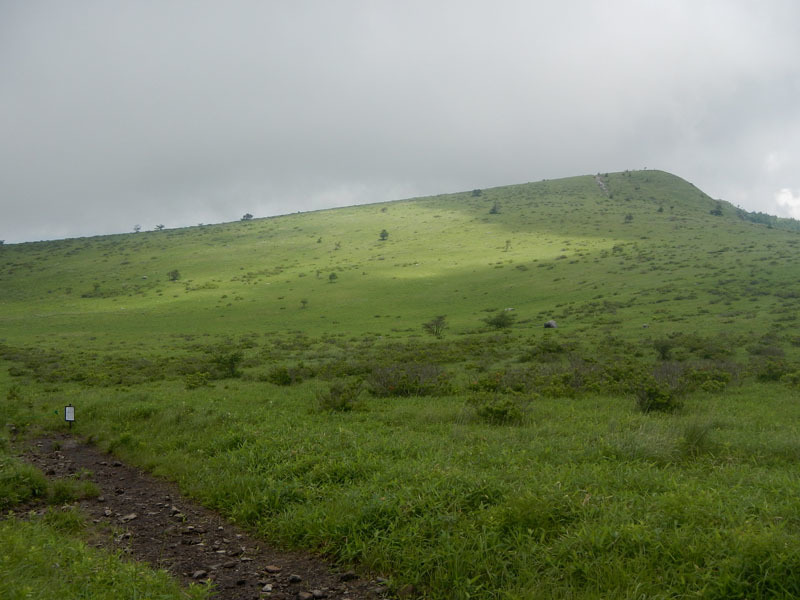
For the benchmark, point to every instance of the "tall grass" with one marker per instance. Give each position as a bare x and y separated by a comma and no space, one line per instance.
488,463
42,559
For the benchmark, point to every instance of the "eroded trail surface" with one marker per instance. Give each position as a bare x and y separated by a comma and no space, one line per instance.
151,521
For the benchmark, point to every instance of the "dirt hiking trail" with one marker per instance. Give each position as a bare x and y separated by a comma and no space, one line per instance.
149,520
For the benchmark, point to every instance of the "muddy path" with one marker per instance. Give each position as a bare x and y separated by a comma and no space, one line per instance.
150,520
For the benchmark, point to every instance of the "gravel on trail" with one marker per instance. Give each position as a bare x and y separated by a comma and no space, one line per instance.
149,520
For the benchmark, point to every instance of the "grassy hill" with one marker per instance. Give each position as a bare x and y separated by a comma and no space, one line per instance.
647,251
647,446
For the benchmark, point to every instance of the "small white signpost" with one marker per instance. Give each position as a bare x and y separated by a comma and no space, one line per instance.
69,414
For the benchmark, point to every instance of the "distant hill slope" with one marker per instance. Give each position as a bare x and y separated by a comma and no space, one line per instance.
615,252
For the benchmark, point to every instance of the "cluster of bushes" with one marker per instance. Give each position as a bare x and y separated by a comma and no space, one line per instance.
288,375
657,373
687,346
409,379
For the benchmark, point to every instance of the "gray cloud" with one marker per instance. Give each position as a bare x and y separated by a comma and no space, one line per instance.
113,114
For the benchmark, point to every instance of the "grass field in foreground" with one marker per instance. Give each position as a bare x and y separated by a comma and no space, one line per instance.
647,448
44,556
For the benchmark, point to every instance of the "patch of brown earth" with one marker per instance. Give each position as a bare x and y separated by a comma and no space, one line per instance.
150,520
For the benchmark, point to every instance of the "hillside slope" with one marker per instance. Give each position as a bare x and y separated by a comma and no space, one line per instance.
618,251
278,371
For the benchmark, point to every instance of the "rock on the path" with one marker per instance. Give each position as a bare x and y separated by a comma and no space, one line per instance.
128,517
272,569
295,579
199,574
305,596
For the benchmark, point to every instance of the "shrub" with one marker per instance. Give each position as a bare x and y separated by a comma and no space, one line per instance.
707,377
436,326
225,363
546,349
497,409
411,379
772,369
196,380
347,367
289,375
340,396
662,391
279,376
502,320
664,348
768,350
652,396
511,381
792,379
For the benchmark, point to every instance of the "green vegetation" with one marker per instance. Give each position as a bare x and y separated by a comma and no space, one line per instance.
647,447
42,559
44,555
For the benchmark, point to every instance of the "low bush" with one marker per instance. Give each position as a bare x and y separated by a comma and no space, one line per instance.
225,363
411,379
196,380
344,368
708,377
502,320
498,409
661,391
792,379
341,396
289,375
547,349
771,369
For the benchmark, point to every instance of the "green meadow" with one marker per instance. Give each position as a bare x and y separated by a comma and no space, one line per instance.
398,406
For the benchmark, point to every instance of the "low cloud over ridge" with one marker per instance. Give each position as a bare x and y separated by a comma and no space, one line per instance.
184,112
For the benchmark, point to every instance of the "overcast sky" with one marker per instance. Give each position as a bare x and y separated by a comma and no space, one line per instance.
117,113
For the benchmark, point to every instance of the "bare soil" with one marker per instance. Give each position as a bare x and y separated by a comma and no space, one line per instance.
149,519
